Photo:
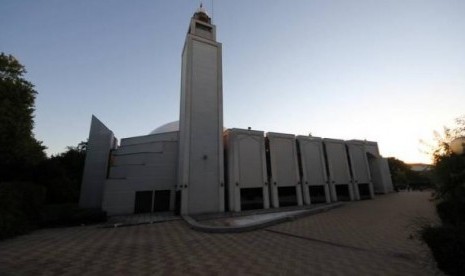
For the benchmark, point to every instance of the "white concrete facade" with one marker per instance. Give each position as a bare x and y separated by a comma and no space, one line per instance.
181,165
201,175
101,142
361,176
144,163
246,165
313,166
338,168
283,166
381,176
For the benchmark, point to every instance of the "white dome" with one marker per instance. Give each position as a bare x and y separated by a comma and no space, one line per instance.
169,127
458,145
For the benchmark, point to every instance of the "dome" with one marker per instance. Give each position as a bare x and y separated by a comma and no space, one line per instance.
458,145
169,127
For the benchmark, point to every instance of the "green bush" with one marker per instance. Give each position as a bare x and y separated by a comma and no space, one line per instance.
451,212
70,215
20,203
448,246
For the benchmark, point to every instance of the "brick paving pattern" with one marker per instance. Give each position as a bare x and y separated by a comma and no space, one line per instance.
361,238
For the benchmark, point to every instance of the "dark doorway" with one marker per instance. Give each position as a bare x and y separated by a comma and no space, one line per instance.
364,191
251,198
161,201
143,202
342,192
317,194
287,196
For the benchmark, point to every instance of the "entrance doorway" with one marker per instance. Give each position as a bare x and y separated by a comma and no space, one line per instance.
317,194
143,202
287,196
342,192
152,201
161,202
251,198
364,190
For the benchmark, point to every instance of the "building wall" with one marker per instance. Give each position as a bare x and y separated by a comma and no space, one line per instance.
284,166
379,167
246,165
101,141
386,176
359,166
201,178
145,163
313,165
338,166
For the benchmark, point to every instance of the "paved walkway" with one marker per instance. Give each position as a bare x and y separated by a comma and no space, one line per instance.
361,238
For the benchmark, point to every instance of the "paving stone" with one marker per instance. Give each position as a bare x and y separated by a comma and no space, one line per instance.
361,238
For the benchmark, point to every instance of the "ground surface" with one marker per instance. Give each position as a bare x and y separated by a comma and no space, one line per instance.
361,238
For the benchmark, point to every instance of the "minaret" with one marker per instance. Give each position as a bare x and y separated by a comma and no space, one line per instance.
200,171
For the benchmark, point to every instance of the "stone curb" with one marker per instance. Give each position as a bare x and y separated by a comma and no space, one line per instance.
256,225
126,224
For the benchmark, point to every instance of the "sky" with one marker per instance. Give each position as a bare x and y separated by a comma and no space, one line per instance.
387,71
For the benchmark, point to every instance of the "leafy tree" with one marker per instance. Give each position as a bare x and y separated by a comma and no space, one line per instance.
61,175
447,241
19,150
399,171
449,168
402,175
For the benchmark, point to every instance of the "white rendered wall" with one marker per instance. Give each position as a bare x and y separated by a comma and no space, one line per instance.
284,167
313,166
387,179
145,163
201,177
372,148
246,165
379,167
101,141
359,165
338,166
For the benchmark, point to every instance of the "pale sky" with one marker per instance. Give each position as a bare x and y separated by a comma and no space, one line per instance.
388,71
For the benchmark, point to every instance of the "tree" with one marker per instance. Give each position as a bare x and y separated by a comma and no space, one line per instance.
403,176
19,150
449,168
61,175
399,171
447,241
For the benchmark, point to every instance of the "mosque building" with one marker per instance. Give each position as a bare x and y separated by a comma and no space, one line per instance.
195,166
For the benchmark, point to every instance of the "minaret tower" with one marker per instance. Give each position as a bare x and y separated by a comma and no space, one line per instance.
200,175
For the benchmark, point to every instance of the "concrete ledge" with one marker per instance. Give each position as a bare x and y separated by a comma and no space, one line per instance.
126,224
258,224
138,219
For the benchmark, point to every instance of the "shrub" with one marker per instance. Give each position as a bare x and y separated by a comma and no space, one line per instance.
70,215
20,203
451,212
448,246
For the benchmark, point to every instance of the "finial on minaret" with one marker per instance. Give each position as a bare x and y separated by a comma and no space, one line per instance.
201,14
